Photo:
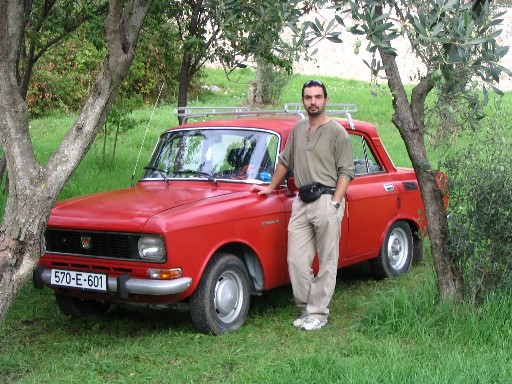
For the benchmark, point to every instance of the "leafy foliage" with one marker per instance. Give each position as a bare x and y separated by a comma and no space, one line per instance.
254,29
269,84
157,61
275,80
177,40
480,229
120,120
64,76
455,39
47,25
232,33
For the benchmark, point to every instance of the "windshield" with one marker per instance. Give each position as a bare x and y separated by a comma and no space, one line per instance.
221,154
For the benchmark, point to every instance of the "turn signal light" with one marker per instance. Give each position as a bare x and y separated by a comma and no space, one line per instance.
165,274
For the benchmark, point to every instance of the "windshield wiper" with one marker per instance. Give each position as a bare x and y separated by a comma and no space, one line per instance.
161,172
199,173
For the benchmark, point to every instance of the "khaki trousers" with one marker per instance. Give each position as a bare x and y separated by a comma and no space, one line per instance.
314,227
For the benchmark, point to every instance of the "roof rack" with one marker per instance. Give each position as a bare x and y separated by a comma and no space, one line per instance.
330,109
289,109
191,112
195,112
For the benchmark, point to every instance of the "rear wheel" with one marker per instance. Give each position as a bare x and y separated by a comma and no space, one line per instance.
396,252
220,302
78,307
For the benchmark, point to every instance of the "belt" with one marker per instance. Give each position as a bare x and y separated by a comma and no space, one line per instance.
329,191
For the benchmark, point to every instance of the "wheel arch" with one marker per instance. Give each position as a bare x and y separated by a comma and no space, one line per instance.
393,259
417,238
418,233
221,301
251,261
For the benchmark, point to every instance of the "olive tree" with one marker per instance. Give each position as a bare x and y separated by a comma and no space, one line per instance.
34,187
455,42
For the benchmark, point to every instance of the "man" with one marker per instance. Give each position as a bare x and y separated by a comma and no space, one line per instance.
318,150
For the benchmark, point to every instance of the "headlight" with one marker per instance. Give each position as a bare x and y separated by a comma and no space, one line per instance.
152,247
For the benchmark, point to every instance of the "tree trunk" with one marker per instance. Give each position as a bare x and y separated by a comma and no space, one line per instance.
260,76
21,244
409,119
186,65
189,62
33,188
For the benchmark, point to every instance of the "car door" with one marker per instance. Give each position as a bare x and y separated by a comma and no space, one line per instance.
371,202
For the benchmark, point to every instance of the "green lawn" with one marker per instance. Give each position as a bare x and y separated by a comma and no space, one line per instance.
389,331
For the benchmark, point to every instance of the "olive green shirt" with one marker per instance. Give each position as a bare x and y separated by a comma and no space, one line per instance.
323,158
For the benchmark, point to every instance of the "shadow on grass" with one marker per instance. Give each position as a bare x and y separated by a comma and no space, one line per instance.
276,303
35,308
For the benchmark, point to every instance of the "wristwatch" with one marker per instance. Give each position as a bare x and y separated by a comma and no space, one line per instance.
335,203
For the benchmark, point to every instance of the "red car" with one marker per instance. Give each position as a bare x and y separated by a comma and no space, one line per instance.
191,232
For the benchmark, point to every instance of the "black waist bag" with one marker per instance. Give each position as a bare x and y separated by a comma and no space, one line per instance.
310,192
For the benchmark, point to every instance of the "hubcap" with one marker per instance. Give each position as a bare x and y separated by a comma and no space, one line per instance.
228,296
398,248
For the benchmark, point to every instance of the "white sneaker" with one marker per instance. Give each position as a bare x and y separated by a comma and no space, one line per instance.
313,324
297,323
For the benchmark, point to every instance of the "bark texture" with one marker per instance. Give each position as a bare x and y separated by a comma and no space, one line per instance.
409,119
34,187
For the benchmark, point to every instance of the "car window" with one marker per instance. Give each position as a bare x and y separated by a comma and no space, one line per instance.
232,154
364,160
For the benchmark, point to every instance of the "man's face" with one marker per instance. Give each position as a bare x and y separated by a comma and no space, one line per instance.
314,101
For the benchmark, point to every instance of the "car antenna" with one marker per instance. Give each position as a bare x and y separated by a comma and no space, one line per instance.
132,183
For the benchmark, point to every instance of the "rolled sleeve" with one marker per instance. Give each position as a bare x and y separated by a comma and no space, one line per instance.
344,157
286,157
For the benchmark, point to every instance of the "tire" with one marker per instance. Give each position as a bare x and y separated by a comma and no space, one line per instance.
77,307
220,302
396,252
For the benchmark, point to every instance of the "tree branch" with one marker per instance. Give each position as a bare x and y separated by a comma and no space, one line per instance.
122,27
418,97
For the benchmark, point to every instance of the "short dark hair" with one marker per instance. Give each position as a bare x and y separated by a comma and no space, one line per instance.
314,83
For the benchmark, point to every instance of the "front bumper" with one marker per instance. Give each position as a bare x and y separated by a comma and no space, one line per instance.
124,285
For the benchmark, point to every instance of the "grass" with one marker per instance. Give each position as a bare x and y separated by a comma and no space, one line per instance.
390,331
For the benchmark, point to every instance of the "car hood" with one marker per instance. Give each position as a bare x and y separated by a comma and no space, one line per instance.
128,209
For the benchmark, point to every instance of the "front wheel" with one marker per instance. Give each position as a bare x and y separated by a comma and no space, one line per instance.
396,252
78,307
220,302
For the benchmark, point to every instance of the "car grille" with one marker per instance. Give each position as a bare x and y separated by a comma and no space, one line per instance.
92,244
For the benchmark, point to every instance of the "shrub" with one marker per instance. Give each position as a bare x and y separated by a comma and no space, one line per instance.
480,229
119,121
270,82
63,76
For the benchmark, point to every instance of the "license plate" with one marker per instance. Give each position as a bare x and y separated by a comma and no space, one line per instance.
82,280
